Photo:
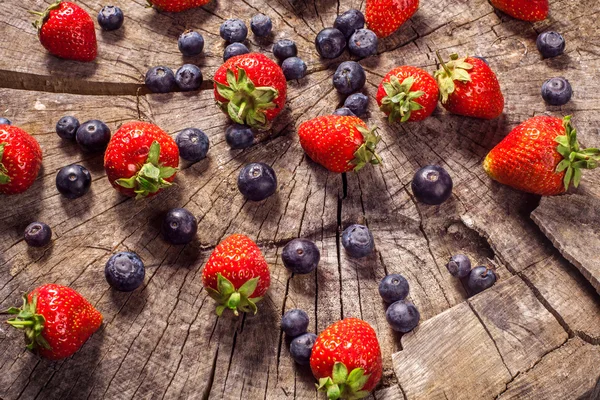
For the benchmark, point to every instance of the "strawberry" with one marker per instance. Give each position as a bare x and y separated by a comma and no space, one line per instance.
20,160
346,359
526,10
67,31
56,319
540,156
469,87
141,159
339,143
236,275
384,17
177,5
407,94
251,89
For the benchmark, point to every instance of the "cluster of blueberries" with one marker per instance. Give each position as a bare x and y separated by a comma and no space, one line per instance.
348,31
555,91
475,280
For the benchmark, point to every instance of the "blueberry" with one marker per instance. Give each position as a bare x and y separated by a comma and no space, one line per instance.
73,181
330,43
38,234
344,111
234,49
124,271
363,43
285,48
190,43
557,91
160,79
293,68
550,44
432,185
301,256
93,135
294,323
358,241
110,18
179,226
480,279
482,59
4,121
393,288
233,30
349,77
66,127
402,316
188,77
193,144
357,103
349,21
239,136
459,266
257,181
261,25
301,348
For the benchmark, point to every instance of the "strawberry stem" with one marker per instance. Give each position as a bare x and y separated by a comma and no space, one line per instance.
442,63
32,323
344,385
234,299
44,15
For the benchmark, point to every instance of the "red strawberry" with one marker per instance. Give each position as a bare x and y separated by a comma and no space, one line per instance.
56,319
346,359
236,275
177,5
407,94
141,159
339,143
67,31
384,17
251,89
526,10
540,156
20,160
469,87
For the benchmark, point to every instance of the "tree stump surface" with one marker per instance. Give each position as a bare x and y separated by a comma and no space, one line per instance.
534,335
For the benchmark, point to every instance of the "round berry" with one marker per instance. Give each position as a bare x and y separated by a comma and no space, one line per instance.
294,323
330,43
38,234
124,271
358,241
188,77
393,288
285,48
66,127
234,49
301,256
363,43
344,111
557,91
349,77
357,103
4,121
480,279
349,22
179,226
193,144
73,181
93,135
261,25
160,79
233,30
110,18
293,68
239,136
459,266
550,44
301,348
432,185
257,181
402,316
190,43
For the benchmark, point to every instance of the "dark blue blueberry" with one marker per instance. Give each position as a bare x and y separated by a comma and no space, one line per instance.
190,43
257,181
285,48
193,144
124,271
261,25
557,91
301,256
239,136
179,226
358,241
73,181
66,127
38,234
459,266
234,49
301,348
432,185
294,323
402,317
188,77
330,43
4,121
349,77
293,68
393,288
363,43
357,103
110,18
160,79
344,111
93,135
233,30
480,279
349,21
550,44
482,59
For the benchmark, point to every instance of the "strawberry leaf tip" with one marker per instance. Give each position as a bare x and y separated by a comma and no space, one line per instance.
399,101
4,178
366,154
344,385
236,300
454,70
30,322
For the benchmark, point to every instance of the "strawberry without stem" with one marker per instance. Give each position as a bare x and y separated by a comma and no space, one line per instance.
384,17
526,10
20,160
177,5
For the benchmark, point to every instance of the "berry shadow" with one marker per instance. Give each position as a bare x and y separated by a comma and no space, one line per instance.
41,254
115,36
70,69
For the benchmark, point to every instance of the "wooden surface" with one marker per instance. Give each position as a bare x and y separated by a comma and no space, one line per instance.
164,340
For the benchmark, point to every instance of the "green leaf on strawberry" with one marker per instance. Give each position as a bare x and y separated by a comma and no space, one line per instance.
400,100
236,300
342,385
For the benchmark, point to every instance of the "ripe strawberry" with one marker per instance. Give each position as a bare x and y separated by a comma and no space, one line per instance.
56,319
339,143
526,10
236,275
67,31
346,359
177,5
384,17
20,160
407,94
251,89
469,87
141,159
540,156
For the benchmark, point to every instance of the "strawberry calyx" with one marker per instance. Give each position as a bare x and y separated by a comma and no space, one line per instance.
4,178
366,154
31,323
151,177
454,70
236,300
574,158
44,15
344,385
399,101
246,103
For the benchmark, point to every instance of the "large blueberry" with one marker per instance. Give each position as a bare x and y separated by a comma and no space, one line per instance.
38,234
190,43
301,348
193,144
124,271
179,226
393,288
402,316
330,43
349,21
294,322
301,256
66,127
160,79
233,30
432,185
93,135
73,181
358,241
257,181
349,77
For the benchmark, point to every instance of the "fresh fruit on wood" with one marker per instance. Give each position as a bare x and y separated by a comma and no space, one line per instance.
550,44
357,103
540,156
93,135
330,43
285,48
557,91
251,89
177,5
261,25
179,226
358,241
294,322
234,49
349,22
73,181
344,112
339,143
141,159
363,43
124,271
190,43
480,278
301,348
257,181
469,87
526,10
407,94
393,287
432,185
233,30
346,359
301,256
160,79
66,127
402,316
188,77
384,17
193,144
67,31
56,319
110,18
459,266
349,77
38,234
293,68
20,160
236,275
239,136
